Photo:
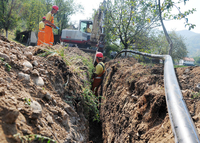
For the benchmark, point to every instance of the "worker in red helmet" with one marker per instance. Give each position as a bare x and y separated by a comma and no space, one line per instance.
49,24
98,74
41,32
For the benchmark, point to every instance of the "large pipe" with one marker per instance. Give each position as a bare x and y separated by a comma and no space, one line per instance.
181,122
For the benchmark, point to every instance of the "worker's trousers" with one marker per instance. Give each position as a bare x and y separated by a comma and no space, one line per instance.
95,85
40,37
48,36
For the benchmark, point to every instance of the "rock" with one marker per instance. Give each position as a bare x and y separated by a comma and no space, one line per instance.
48,96
187,70
28,64
29,55
26,70
58,118
70,111
26,77
5,57
49,119
41,92
35,72
36,106
35,63
38,81
134,97
195,118
197,88
11,116
36,114
13,57
65,121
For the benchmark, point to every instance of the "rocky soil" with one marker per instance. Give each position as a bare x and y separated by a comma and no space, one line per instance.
134,106
41,96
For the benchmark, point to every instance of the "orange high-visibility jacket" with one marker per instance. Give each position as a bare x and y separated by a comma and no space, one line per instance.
48,32
41,33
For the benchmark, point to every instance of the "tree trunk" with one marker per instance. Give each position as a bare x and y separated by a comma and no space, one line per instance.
165,31
6,33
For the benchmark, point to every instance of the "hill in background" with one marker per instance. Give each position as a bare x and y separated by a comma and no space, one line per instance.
192,41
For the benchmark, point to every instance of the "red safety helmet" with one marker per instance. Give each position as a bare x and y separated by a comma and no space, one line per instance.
99,55
55,7
43,17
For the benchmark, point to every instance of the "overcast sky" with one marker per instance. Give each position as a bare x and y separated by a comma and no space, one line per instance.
176,25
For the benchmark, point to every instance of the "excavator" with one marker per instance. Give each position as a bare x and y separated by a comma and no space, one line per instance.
86,39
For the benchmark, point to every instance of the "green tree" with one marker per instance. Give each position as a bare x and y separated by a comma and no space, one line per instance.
129,22
9,17
179,50
32,13
197,60
66,8
168,5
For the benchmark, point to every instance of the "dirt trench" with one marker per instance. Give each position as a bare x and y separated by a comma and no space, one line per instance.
133,103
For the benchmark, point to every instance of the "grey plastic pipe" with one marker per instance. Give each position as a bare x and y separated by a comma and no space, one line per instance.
181,122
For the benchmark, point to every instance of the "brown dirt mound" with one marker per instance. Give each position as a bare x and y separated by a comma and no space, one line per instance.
33,95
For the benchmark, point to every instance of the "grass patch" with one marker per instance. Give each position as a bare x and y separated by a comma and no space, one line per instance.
179,66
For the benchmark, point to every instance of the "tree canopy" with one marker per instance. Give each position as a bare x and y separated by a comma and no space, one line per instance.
26,14
129,22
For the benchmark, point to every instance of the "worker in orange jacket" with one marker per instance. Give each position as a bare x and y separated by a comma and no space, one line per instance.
98,74
41,32
49,24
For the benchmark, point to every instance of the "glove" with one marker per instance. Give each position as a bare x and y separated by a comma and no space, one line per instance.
57,28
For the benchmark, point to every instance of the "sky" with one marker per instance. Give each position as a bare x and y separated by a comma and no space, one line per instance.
176,25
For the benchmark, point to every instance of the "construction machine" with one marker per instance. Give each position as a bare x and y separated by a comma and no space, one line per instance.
84,38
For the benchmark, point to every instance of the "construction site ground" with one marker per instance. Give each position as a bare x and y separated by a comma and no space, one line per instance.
42,92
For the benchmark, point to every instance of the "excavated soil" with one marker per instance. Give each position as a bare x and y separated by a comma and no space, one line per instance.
42,95
134,106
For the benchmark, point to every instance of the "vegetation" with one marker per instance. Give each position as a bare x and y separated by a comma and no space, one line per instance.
197,61
179,50
26,14
129,23
90,103
30,138
8,67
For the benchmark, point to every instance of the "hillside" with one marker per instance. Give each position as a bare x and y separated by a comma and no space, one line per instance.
44,93
192,41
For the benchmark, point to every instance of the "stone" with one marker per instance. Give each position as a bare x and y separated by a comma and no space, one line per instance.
197,88
35,72
36,106
29,55
28,64
26,70
48,96
187,70
5,57
38,81
70,111
49,119
26,77
36,114
35,63
11,116
13,57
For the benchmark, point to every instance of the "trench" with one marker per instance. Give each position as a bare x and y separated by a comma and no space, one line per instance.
95,131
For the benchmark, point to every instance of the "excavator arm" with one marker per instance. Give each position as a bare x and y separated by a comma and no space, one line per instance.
98,31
